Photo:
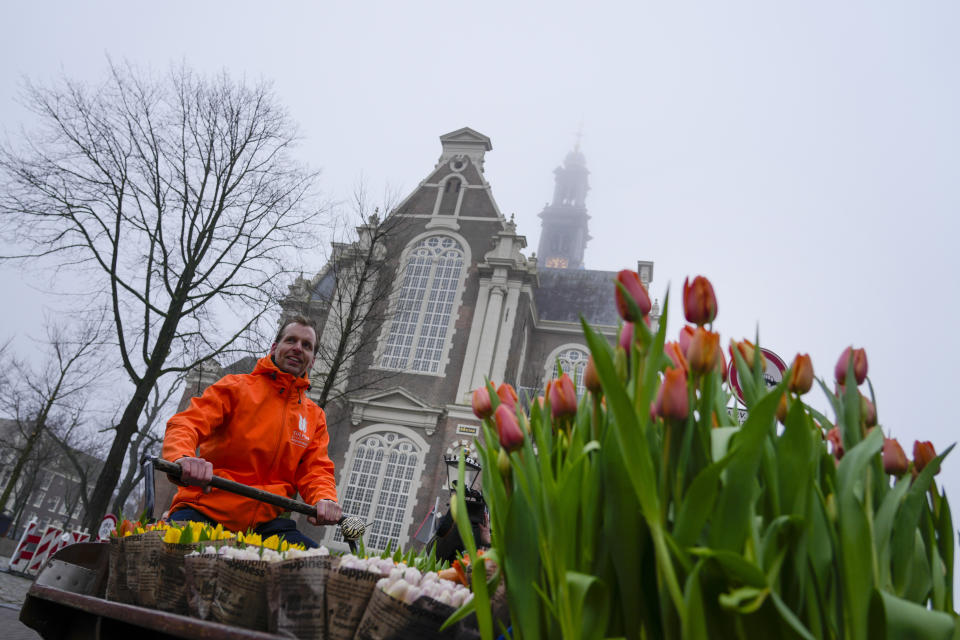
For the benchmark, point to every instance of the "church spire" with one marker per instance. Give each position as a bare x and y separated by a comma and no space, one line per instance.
564,228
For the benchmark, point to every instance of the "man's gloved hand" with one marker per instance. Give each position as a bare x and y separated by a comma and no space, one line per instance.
328,512
195,472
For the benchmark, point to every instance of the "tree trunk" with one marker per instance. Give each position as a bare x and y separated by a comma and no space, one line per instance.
18,467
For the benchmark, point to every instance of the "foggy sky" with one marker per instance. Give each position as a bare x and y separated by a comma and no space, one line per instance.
804,158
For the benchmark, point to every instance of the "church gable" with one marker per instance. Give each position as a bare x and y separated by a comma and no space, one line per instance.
395,406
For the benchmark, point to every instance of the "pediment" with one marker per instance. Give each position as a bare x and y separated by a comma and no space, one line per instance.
467,135
395,406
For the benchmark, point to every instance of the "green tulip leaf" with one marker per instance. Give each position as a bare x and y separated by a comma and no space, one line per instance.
698,503
790,617
695,622
744,600
590,604
737,568
893,618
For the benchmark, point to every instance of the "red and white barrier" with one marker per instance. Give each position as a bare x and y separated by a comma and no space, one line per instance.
49,541
23,554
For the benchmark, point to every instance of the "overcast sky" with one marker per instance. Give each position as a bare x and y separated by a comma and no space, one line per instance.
805,157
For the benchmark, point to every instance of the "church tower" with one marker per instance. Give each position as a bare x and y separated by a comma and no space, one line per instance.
563,230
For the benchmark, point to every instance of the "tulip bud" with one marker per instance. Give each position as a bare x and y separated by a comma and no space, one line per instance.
590,378
631,282
894,459
699,301
703,351
672,349
801,374
747,351
503,464
482,407
782,409
859,365
563,397
672,402
833,436
868,412
508,429
507,395
923,454
686,336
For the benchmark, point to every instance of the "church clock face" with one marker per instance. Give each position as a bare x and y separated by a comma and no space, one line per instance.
556,263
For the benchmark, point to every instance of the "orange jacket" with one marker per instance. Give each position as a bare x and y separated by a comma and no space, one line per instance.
259,429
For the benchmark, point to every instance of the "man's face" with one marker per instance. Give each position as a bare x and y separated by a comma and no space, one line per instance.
294,352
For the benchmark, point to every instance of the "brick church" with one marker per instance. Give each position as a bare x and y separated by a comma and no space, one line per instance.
464,301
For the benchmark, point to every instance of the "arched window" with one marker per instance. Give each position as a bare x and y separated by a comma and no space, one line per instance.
428,287
382,478
574,363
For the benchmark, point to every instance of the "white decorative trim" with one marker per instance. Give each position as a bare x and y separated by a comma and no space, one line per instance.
415,484
552,358
395,406
454,314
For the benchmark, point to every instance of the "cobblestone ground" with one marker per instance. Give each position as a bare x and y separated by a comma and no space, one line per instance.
13,589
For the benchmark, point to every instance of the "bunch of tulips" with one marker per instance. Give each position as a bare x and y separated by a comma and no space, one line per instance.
644,510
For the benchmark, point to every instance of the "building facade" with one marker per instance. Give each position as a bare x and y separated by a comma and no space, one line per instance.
464,302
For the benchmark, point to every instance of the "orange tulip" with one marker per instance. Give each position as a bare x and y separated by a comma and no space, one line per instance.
923,454
634,287
801,374
859,357
782,409
563,397
507,395
672,349
747,351
703,352
672,401
894,459
699,301
482,407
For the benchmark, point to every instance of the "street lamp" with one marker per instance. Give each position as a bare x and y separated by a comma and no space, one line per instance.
471,469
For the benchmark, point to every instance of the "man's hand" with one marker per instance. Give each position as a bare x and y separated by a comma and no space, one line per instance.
196,471
328,512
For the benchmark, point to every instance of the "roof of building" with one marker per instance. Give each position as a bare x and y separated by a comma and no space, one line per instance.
566,294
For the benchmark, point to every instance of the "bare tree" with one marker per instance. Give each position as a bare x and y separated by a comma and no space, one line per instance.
178,199
348,299
40,397
148,438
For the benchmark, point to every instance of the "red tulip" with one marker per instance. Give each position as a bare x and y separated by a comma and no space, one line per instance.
923,454
563,397
833,436
508,429
631,282
686,335
894,459
699,301
482,407
859,365
672,349
703,352
672,402
507,395
801,374
590,378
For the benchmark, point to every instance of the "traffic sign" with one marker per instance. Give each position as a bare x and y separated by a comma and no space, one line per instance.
772,374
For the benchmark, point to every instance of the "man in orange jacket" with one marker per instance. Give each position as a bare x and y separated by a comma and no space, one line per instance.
259,429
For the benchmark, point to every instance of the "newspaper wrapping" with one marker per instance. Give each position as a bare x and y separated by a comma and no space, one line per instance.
296,597
241,594
200,574
389,618
348,591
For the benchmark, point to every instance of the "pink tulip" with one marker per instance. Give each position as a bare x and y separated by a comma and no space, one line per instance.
508,429
634,287
894,459
859,365
563,397
699,301
482,407
672,402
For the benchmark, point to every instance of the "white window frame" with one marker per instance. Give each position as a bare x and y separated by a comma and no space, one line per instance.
550,367
407,519
395,301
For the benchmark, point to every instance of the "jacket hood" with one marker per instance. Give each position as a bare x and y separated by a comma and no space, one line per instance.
267,367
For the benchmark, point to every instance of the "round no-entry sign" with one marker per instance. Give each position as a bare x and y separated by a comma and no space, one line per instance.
772,374
108,524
